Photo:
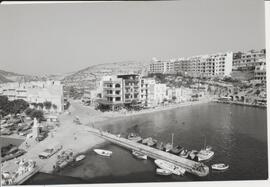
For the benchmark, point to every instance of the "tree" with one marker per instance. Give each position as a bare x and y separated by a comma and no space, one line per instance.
28,111
47,105
3,101
34,104
38,114
54,106
40,105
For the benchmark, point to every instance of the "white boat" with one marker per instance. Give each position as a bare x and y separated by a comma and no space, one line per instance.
220,167
205,154
139,155
177,170
103,152
79,158
163,172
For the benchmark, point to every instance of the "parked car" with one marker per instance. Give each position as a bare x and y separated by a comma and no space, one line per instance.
47,153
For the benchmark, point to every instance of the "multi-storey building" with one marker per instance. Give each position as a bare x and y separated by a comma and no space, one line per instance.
260,71
35,92
164,67
219,65
247,60
120,89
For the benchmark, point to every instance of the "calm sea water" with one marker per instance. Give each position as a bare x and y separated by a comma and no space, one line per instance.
238,135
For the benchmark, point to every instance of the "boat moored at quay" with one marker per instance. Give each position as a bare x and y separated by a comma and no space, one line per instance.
190,166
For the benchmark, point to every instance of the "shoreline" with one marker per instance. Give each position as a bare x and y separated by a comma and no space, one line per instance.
114,115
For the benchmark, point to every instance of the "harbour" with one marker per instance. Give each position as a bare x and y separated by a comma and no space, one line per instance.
232,137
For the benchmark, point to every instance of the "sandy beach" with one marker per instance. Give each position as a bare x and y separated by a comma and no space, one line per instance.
76,137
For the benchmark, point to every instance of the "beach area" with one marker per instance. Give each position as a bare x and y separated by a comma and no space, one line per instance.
76,137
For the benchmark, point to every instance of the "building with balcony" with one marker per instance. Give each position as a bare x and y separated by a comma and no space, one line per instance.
247,60
164,67
215,65
260,71
35,92
119,90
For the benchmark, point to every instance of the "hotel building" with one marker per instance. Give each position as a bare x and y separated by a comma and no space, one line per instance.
119,90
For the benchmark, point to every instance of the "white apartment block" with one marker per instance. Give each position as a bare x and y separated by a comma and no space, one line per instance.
35,92
215,65
260,71
164,67
247,60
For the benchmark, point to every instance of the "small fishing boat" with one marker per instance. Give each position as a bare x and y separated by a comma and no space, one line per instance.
220,167
79,158
134,137
139,155
184,153
177,170
168,147
163,172
177,149
149,141
193,154
206,153
160,146
103,152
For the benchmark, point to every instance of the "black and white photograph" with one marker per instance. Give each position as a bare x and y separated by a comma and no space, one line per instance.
133,92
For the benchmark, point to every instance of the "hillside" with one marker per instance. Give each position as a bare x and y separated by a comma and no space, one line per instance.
87,77
6,76
3,79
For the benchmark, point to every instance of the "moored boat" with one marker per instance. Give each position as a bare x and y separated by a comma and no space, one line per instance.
133,137
184,153
103,152
177,149
149,141
220,167
160,146
139,155
177,170
165,172
79,158
205,154
168,147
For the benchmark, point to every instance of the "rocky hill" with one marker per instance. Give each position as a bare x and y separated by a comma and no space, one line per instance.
6,76
89,76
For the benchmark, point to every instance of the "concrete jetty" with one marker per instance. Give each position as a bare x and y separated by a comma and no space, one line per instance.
196,168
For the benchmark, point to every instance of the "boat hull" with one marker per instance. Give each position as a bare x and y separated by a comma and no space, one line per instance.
103,152
220,167
170,167
163,172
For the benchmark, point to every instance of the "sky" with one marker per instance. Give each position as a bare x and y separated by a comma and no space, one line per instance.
59,38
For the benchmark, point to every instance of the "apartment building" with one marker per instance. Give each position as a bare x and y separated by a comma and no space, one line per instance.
35,92
247,60
260,71
164,67
219,65
118,90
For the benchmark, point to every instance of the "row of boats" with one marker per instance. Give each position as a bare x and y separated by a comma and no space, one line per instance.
164,168
202,155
